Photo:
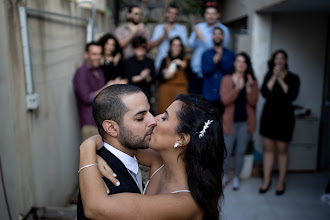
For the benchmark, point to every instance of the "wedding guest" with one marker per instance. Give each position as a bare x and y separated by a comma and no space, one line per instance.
163,33
216,63
88,81
173,74
280,88
201,39
140,69
134,27
239,94
112,60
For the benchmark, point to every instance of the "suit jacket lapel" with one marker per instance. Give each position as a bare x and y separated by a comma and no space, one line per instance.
114,162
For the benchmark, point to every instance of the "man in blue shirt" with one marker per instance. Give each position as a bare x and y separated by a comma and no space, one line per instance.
163,33
216,62
201,40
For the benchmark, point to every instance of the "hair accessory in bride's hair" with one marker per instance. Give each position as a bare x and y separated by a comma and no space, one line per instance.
206,125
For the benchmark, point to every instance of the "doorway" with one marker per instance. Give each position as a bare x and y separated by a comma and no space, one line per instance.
324,152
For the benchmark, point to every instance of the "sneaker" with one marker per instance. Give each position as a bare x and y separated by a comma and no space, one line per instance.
224,180
326,198
236,183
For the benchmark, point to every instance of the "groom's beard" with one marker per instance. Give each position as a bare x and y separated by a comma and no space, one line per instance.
131,141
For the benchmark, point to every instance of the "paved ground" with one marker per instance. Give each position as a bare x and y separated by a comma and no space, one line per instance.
301,200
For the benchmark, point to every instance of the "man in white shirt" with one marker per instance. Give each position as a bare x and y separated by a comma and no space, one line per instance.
163,33
121,113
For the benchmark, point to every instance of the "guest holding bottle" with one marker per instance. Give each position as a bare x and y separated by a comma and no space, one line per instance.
280,88
173,74
112,60
239,94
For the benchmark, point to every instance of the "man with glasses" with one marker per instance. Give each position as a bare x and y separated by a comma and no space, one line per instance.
133,27
201,40
139,68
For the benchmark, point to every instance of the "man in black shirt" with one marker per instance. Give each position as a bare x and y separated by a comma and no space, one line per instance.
140,69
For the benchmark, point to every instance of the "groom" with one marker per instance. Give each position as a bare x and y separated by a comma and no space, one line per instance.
121,113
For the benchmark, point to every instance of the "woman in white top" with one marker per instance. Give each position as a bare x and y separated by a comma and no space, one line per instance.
186,157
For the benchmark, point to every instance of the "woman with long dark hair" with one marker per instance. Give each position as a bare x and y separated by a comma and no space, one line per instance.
185,157
239,94
112,62
173,74
280,88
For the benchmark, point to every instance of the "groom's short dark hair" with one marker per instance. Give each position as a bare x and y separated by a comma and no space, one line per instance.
108,104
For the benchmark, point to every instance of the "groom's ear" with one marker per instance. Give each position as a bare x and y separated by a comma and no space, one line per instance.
110,127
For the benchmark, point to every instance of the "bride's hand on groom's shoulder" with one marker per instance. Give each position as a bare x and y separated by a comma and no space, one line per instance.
93,142
106,171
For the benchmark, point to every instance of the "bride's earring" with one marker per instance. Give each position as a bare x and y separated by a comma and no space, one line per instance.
176,145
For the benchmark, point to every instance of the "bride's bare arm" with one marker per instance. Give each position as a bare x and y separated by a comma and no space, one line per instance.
99,205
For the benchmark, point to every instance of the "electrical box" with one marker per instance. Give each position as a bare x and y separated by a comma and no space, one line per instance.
32,101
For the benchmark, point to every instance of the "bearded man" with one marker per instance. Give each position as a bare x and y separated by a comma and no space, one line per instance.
123,118
132,28
216,62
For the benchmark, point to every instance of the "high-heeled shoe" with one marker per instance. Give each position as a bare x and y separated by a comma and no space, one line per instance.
280,192
261,190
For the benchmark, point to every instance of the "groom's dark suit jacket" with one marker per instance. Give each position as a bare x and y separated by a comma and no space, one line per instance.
127,183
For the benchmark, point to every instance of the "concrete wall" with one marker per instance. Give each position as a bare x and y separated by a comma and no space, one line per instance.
40,149
236,9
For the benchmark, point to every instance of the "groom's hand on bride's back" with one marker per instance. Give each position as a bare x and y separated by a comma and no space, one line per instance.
106,171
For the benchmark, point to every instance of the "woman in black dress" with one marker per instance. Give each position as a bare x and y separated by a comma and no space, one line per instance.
280,88
112,62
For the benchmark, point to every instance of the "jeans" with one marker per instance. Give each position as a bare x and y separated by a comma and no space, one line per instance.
241,137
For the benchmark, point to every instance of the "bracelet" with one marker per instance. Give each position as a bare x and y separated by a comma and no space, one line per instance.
89,165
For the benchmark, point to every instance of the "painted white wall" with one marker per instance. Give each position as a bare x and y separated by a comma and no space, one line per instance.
235,9
261,31
303,36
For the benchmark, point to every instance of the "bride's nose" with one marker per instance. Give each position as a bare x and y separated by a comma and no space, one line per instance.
158,117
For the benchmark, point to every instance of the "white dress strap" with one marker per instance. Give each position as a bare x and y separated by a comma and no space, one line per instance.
178,191
151,177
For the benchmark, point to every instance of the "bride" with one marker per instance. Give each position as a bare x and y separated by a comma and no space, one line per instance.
186,159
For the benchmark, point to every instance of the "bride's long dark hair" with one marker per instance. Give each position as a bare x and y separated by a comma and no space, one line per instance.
204,156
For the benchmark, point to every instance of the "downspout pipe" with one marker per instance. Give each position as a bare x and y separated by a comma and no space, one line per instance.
31,98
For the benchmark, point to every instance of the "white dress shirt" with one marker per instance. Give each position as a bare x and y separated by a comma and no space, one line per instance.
130,163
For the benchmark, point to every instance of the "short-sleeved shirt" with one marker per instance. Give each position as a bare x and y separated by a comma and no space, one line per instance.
178,30
123,31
